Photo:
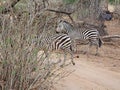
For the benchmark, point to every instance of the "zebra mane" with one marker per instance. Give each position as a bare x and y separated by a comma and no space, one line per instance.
67,26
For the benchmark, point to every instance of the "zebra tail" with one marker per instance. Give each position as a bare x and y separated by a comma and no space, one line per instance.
100,42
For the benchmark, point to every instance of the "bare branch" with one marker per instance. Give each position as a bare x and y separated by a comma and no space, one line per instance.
71,19
63,12
67,13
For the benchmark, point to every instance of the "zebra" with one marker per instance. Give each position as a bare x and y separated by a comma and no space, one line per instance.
91,35
55,43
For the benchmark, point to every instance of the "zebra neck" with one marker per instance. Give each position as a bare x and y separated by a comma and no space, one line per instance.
74,35
69,30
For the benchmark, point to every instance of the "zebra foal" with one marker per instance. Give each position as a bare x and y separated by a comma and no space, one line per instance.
55,43
92,35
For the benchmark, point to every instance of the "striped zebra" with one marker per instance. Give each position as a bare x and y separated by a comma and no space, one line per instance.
55,43
92,35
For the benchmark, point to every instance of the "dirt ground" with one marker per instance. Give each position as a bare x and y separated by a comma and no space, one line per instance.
96,72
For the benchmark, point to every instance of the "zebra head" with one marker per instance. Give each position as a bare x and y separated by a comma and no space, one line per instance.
64,27
60,27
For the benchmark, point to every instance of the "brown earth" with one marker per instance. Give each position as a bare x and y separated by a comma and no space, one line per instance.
96,72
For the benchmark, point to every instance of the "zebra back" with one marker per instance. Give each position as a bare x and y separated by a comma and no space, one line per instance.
53,42
77,33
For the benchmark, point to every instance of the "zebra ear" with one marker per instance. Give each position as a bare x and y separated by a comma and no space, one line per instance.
60,20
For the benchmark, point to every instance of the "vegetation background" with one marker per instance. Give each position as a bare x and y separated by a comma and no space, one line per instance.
21,21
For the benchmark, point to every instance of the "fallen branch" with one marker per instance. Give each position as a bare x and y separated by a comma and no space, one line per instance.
111,36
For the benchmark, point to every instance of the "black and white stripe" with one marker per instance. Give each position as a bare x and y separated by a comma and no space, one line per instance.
92,35
55,42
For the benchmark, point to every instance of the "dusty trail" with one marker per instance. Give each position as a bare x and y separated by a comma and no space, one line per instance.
89,77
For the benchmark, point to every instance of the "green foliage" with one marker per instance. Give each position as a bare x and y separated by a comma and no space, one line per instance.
1,8
69,1
111,1
114,1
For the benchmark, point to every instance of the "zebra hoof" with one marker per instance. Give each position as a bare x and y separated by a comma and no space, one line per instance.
73,63
77,56
84,52
97,54
61,66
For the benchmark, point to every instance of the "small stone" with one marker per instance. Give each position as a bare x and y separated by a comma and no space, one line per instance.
77,56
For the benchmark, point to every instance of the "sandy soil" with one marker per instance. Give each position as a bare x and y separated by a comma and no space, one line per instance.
95,72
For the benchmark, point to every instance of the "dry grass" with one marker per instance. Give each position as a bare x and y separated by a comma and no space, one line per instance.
19,67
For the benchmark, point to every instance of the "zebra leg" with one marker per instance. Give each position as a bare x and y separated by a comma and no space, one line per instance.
58,56
74,46
96,51
72,59
71,53
88,49
70,50
63,63
97,47
47,57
